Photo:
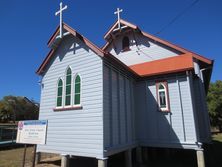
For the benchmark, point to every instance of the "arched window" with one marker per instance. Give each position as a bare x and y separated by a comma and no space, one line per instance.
68,87
162,94
77,93
125,44
59,93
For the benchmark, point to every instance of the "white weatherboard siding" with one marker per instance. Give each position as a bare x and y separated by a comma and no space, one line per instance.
74,132
159,129
119,128
141,50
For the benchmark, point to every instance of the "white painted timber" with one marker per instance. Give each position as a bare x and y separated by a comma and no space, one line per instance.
118,110
142,49
74,132
160,129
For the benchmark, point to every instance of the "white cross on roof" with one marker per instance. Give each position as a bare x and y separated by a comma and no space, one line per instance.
118,11
60,12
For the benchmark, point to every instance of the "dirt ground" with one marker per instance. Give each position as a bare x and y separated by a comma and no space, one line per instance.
13,156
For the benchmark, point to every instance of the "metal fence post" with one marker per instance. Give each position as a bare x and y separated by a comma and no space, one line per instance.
0,133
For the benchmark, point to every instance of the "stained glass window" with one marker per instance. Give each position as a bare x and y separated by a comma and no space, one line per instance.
59,93
68,87
77,90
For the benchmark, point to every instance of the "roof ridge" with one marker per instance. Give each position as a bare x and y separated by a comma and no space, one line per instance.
158,39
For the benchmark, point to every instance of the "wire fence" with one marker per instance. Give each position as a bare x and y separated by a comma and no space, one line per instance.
8,134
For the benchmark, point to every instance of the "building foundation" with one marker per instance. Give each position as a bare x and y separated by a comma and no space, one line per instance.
37,158
102,162
64,160
128,158
139,158
200,158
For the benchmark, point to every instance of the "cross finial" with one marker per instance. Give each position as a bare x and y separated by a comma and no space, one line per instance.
118,11
60,14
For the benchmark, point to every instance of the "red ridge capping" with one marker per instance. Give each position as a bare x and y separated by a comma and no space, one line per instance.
53,36
176,47
168,65
92,46
45,62
133,26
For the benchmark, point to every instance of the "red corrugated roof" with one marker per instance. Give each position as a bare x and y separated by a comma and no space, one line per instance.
164,66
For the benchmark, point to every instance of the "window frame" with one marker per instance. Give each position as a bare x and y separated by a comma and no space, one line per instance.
128,48
74,93
57,86
165,85
72,105
68,106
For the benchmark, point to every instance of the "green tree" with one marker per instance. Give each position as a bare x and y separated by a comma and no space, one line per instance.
5,112
214,100
17,108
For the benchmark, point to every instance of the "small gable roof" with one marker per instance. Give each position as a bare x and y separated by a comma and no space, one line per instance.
153,38
122,22
72,31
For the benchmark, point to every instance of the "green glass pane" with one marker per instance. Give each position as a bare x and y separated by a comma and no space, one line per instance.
60,91
161,86
77,88
67,102
60,83
59,101
68,90
68,79
77,79
68,71
77,99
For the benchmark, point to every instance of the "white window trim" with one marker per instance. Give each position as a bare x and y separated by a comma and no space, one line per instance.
71,95
58,107
74,78
166,96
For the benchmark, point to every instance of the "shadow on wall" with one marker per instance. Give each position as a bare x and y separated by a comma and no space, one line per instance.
70,45
134,40
157,128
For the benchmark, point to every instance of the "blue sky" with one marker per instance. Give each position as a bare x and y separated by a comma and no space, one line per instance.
26,26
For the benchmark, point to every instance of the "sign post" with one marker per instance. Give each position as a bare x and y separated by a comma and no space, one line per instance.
31,132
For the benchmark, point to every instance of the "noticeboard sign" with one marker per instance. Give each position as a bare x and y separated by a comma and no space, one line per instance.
32,132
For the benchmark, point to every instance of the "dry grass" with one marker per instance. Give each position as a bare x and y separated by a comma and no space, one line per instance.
13,157
217,137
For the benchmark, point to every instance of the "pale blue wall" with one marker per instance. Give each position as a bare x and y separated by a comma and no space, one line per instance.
119,111
158,129
74,132
201,110
200,101
142,49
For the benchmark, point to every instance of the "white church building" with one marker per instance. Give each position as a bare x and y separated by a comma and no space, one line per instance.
138,91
